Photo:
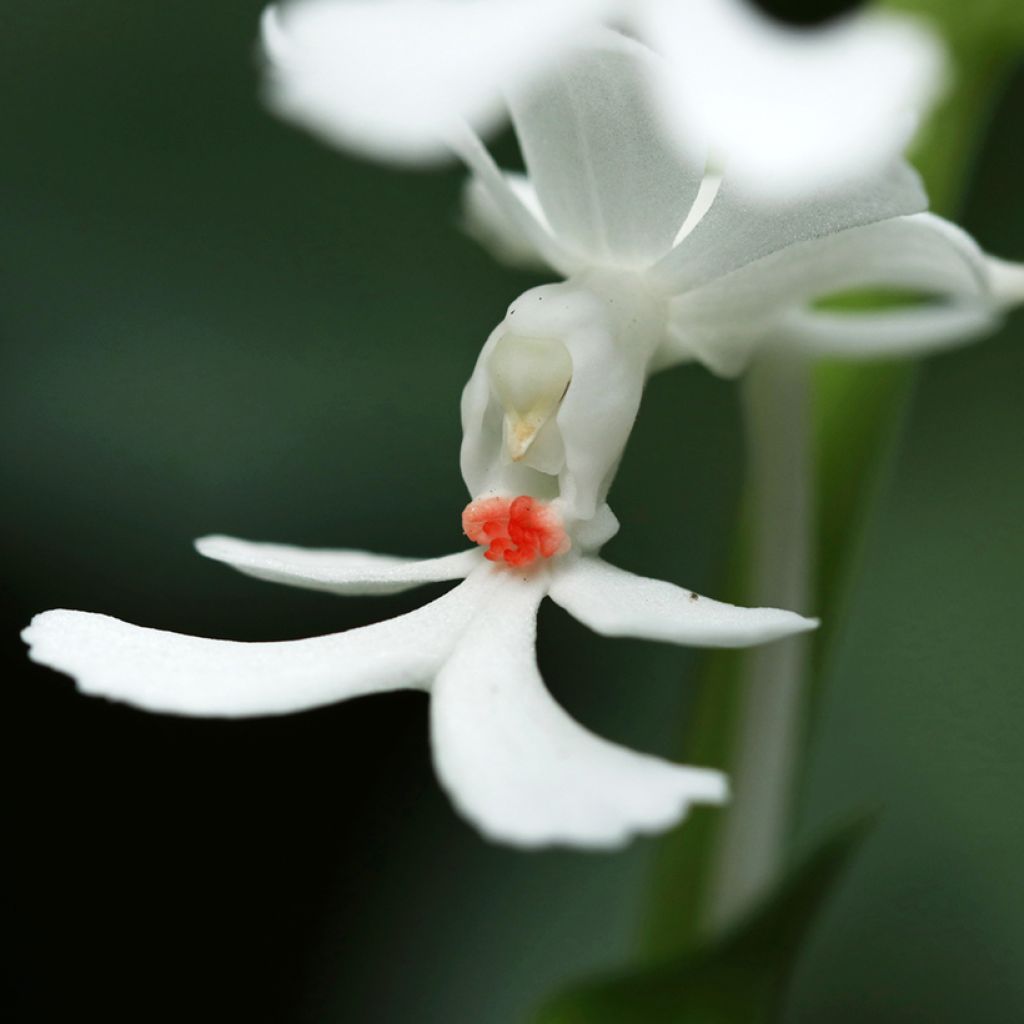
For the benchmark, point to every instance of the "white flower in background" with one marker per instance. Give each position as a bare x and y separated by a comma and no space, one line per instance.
789,109
393,79
512,761
783,108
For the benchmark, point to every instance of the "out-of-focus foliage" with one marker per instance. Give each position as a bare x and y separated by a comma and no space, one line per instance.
856,409
857,404
921,705
741,979
212,323
993,26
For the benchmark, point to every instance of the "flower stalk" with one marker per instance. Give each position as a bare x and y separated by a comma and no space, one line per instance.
774,680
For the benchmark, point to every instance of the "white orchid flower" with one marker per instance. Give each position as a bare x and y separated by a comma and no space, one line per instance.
784,109
544,429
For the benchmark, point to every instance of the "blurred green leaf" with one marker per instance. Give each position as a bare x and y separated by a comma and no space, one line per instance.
858,405
857,409
984,38
683,867
738,980
996,25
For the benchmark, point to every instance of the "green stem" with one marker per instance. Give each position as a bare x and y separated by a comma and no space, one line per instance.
774,679
856,410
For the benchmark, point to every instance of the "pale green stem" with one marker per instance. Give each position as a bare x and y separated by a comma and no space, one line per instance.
774,678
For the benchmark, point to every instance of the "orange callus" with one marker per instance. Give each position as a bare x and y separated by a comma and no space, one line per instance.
516,531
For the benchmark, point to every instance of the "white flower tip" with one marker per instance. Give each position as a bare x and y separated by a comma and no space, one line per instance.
749,627
104,656
40,631
216,546
753,626
58,639
710,787
1005,281
777,624
803,623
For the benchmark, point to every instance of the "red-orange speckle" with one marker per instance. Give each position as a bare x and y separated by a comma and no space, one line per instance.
516,531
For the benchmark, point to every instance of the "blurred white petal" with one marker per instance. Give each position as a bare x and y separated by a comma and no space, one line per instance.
738,229
790,109
188,675
519,768
391,78
336,571
611,183
618,603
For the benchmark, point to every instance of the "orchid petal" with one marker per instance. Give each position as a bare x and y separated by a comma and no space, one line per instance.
520,215
187,675
788,109
519,768
339,572
737,230
489,224
391,79
921,252
611,184
614,602
892,334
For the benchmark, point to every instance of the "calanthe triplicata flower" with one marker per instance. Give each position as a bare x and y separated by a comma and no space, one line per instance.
664,263
538,462
786,109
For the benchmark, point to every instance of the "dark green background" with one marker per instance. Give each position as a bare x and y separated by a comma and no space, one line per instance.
211,323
